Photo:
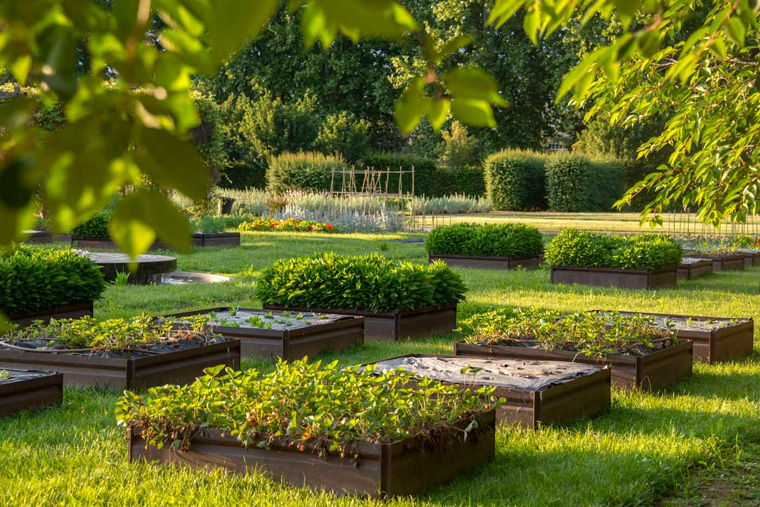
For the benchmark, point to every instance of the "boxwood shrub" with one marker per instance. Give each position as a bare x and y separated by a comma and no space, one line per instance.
573,248
33,279
359,282
302,171
516,241
577,183
516,180
94,228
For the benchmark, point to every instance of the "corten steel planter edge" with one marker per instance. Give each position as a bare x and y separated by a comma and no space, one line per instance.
393,325
613,277
526,408
199,239
402,467
627,371
124,373
476,262
695,270
288,344
31,394
67,311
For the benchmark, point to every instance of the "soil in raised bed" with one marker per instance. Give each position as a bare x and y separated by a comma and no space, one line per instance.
278,321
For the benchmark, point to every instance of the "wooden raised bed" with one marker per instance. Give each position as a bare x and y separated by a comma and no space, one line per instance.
692,268
178,367
728,262
621,278
199,239
74,311
465,261
394,325
657,370
335,333
535,391
403,467
38,237
712,343
751,257
29,390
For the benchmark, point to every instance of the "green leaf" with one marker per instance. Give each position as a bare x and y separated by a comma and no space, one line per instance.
438,112
172,162
233,22
140,216
735,30
473,83
626,10
411,106
477,113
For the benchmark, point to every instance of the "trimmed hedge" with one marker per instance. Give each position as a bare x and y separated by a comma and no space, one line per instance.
302,171
33,279
516,241
94,228
573,248
576,183
515,180
359,282
241,175
424,171
460,181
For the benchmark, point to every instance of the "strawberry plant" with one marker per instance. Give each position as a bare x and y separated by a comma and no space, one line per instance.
40,279
113,335
362,282
589,333
516,241
302,402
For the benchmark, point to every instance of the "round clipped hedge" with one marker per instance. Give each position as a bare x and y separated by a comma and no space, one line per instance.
573,248
33,279
515,241
94,228
516,180
370,283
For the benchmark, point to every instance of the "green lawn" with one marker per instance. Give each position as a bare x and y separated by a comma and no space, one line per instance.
649,447
603,222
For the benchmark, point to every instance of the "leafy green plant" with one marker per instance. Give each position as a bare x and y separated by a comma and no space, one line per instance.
591,333
94,228
113,335
40,279
302,403
302,171
4,374
370,282
122,279
516,241
289,224
573,248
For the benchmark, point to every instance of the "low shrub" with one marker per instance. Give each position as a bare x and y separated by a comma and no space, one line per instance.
33,279
576,183
515,180
592,334
516,241
290,224
363,282
573,248
302,171
94,228
301,403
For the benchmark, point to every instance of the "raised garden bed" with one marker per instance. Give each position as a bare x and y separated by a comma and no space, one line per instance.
29,390
714,338
38,237
692,268
656,370
383,326
283,335
199,239
150,268
403,440
485,246
465,261
73,311
620,278
751,256
640,353
174,357
726,262
535,391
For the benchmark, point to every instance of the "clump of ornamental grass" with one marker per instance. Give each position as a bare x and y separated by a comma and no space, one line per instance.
304,404
589,333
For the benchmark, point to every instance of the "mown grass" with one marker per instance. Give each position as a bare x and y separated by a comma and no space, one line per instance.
647,447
